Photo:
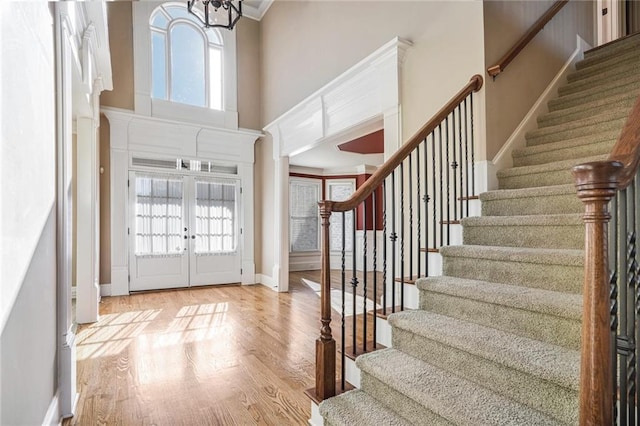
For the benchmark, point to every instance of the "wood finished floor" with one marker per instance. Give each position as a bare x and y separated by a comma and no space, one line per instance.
220,355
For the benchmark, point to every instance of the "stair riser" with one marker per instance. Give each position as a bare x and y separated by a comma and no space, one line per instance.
538,138
564,116
616,62
554,177
552,399
595,94
550,204
406,407
595,120
535,325
531,236
563,278
568,153
619,47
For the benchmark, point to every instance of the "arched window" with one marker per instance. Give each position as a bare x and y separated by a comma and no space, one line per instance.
186,59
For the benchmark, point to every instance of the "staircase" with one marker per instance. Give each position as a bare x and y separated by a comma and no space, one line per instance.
496,339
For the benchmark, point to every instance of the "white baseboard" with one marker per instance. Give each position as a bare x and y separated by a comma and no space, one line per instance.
52,417
105,289
316,419
267,281
503,159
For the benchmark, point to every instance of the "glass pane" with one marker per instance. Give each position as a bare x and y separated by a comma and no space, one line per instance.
180,11
158,221
214,36
159,20
215,78
304,222
187,65
341,192
158,66
216,217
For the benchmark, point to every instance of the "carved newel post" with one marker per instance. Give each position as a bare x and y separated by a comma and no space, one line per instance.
596,184
325,344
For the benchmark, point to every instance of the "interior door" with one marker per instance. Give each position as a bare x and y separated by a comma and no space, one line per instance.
158,253
214,240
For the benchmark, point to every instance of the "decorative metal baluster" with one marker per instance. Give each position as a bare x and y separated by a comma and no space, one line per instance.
623,338
374,219
364,276
384,247
410,217
473,161
454,165
613,296
425,200
433,188
466,154
394,238
441,191
446,151
344,290
354,280
631,266
402,236
460,162
636,230
418,230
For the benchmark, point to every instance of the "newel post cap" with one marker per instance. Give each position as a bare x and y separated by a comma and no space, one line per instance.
597,175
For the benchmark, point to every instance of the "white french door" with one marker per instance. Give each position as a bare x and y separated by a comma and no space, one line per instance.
184,231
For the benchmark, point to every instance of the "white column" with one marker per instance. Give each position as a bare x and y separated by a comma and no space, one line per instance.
88,222
281,223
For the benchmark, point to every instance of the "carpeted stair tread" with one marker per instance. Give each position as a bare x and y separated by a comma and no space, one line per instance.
624,100
564,231
449,396
611,74
611,120
550,362
584,146
607,62
554,173
597,92
625,43
357,407
548,269
530,299
557,199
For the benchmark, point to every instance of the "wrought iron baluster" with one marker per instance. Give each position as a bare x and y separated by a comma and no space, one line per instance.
344,290
433,188
364,275
394,238
466,154
623,338
374,219
473,161
613,282
460,162
410,217
354,280
454,165
441,191
384,247
448,188
402,235
419,230
425,200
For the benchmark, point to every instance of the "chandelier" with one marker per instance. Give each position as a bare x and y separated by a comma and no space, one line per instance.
217,13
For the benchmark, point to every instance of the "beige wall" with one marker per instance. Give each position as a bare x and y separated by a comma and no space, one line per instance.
121,44
249,96
512,94
306,44
105,203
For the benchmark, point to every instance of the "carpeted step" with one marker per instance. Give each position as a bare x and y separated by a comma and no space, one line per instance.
357,407
559,199
416,389
528,371
612,119
624,100
556,173
550,316
607,62
611,74
621,45
547,269
581,147
560,231
595,93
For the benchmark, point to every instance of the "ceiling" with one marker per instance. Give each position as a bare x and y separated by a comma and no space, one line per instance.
255,9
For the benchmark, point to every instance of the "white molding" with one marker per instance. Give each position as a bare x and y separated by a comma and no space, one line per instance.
105,290
256,13
503,159
52,416
266,280
316,419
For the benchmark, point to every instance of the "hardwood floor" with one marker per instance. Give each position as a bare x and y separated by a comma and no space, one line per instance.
220,355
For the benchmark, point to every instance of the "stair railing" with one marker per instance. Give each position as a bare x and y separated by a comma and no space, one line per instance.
609,373
412,200
515,50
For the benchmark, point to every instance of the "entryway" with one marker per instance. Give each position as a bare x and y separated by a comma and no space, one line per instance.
184,230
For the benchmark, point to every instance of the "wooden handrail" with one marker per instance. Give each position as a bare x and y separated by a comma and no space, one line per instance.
376,179
597,183
526,38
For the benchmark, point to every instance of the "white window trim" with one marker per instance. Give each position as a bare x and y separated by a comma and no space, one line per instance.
146,105
310,182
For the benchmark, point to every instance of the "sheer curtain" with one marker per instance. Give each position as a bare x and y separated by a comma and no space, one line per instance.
158,215
216,216
341,191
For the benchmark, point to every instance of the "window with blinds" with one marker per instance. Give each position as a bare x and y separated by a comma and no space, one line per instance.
304,219
216,216
158,215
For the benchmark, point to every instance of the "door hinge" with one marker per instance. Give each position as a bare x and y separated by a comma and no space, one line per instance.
128,182
240,271
129,278
241,231
605,11
128,231
241,190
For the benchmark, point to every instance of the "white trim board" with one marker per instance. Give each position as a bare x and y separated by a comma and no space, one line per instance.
503,159
52,416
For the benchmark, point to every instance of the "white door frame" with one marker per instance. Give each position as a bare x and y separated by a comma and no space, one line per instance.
608,26
369,92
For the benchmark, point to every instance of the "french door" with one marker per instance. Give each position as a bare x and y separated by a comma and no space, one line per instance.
184,231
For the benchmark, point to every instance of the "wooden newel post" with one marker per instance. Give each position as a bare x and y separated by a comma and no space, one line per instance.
325,344
596,184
